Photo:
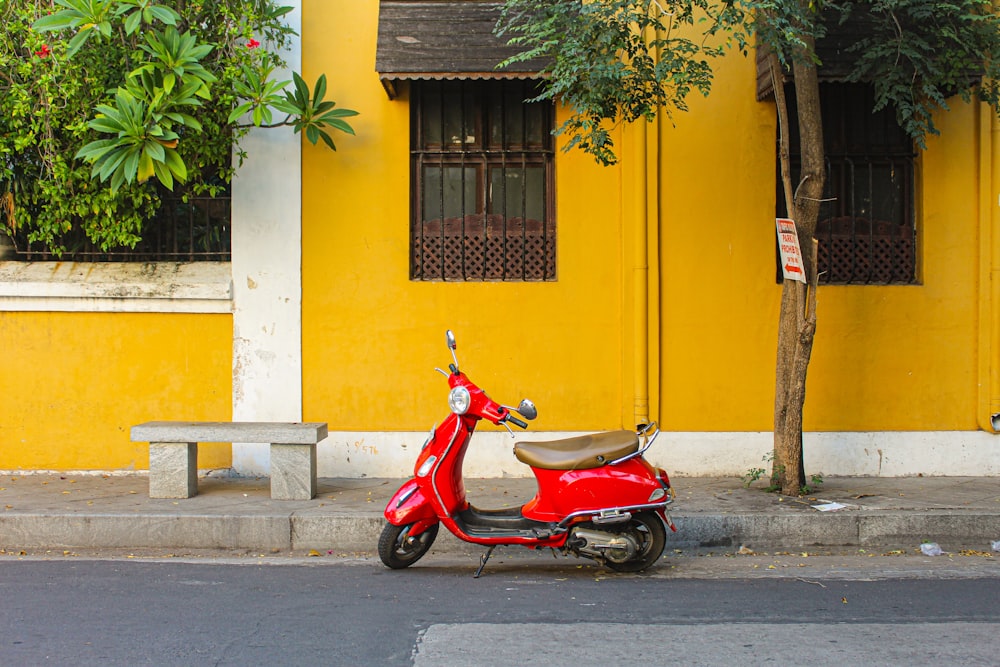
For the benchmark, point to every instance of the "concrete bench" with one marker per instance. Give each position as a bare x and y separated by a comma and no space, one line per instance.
173,454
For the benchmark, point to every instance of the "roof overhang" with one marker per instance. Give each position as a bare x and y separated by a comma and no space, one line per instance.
443,40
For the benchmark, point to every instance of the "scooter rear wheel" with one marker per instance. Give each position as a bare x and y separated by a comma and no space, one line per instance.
647,530
397,550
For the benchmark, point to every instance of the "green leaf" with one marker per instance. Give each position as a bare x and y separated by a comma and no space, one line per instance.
328,140
312,134
320,90
79,39
301,91
154,149
239,111
58,21
146,168
341,125
132,23
165,14
341,113
163,175
176,164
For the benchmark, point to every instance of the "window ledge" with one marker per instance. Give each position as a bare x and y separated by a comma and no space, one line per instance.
155,287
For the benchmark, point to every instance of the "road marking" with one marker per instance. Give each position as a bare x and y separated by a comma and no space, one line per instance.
815,644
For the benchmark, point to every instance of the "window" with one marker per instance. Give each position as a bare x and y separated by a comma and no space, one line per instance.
866,228
482,175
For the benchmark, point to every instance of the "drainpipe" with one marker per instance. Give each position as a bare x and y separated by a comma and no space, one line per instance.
640,277
646,271
989,297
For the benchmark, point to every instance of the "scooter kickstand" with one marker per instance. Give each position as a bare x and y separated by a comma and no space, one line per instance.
482,561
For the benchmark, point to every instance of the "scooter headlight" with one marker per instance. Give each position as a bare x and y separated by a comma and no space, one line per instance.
459,400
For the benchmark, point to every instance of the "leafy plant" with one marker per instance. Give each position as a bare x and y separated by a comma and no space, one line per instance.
754,474
616,61
104,104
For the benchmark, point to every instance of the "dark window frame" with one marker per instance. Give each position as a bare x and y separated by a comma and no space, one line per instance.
864,238
471,234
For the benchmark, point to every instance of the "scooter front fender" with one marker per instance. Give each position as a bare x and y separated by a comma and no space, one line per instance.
410,505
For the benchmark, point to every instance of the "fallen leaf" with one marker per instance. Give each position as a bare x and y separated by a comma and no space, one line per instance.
844,600
974,552
314,553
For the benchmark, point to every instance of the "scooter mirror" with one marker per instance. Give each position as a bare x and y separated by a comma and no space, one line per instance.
450,339
527,409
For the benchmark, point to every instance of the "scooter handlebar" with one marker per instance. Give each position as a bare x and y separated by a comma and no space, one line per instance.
515,421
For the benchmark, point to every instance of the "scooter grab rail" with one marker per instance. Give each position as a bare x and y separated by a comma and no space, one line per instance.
642,432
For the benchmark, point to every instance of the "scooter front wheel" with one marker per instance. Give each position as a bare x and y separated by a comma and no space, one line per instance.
398,550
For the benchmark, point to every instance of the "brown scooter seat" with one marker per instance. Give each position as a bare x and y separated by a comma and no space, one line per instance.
579,453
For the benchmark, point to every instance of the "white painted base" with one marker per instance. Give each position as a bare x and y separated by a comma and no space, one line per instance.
868,454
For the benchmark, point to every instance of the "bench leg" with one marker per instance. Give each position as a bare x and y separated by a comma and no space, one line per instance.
293,472
173,469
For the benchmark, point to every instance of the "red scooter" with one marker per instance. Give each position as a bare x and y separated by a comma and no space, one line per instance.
597,496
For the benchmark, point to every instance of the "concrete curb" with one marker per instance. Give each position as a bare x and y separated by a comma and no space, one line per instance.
109,512
360,533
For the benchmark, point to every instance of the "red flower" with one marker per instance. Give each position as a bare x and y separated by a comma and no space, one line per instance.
44,51
253,43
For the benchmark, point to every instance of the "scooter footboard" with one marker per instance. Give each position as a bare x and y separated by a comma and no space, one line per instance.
410,505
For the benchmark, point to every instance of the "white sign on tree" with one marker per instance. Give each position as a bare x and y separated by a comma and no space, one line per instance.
788,247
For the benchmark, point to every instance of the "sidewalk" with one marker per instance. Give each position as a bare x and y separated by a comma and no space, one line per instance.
237,514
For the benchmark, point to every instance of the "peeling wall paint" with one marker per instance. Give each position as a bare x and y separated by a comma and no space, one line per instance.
267,293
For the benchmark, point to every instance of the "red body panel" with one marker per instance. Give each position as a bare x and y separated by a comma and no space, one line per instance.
437,492
563,492
416,507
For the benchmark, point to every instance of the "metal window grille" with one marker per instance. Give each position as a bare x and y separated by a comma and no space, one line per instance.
482,174
195,230
866,229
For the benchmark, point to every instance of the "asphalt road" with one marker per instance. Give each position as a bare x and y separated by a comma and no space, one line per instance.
120,611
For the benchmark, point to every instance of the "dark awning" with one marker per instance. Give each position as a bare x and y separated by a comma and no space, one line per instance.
443,40
835,53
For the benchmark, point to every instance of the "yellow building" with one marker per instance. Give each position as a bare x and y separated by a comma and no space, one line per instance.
651,291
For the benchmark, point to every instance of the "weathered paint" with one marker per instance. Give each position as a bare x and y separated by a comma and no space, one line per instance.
267,318
74,383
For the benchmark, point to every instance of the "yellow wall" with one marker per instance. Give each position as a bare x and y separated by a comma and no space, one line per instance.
371,337
897,358
885,357
74,383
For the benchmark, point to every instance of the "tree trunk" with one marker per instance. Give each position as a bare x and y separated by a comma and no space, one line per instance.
797,321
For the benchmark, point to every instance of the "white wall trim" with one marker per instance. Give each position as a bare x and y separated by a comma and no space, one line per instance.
355,454
267,276
152,287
